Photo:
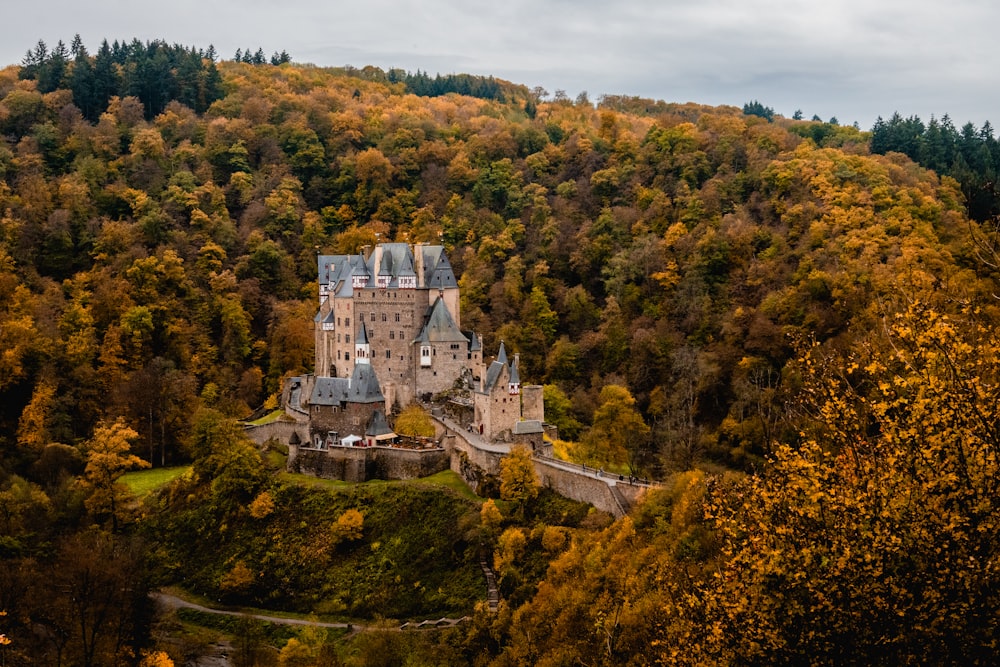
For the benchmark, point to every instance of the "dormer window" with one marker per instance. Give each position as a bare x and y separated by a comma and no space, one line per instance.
425,355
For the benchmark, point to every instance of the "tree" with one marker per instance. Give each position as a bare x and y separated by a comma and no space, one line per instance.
414,421
617,430
108,458
874,540
518,481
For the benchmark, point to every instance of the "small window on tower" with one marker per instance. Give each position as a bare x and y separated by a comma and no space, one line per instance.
347,338
385,317
397,317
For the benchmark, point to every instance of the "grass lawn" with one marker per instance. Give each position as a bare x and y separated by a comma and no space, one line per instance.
144,481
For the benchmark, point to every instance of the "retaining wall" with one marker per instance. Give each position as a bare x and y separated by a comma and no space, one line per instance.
360,464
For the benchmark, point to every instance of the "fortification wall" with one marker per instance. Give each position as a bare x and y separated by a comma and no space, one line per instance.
584,488
279,430
360,464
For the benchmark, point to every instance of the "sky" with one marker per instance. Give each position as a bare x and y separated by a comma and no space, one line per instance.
850,59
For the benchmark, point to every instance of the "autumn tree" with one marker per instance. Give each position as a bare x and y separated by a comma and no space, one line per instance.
872,541
518,481
617,431
414,421
108,458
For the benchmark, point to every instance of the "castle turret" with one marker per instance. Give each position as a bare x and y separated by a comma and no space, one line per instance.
514,379
362,350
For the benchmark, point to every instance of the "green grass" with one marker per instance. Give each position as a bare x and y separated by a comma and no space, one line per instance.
143,482
268,418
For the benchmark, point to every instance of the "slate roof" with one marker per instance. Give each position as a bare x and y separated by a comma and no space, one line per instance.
378,425
361,387
492,375
439,326
438,273
362,335
514,377
526,426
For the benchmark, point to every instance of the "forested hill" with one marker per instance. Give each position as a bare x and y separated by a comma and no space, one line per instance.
702,291
150,263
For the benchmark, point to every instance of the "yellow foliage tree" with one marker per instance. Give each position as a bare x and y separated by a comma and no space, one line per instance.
349,526
108,458
874,541
415,421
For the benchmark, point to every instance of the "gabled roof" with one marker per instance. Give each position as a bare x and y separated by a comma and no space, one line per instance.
439,327
475,345
492,375
438,273
361,387
364,387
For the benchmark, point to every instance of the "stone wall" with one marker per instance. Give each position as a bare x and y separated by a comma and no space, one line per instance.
583,488
279,430
360,464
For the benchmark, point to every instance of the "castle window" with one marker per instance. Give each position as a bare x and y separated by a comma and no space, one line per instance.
373,317
338,338
392,335
347,356
425,355
347,338
400,335
388,354
347,321
338,321
397,317
384,317
338,354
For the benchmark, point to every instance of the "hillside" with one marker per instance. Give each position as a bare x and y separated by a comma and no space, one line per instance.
151,265
766,300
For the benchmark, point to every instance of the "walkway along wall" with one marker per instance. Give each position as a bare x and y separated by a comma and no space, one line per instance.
606,492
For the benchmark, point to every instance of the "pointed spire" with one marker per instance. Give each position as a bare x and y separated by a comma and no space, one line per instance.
514,383
502,354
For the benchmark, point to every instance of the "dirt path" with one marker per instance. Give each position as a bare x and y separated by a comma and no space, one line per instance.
173,602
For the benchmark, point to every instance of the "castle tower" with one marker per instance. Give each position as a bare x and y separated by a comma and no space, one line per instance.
362,350
514,381
532,402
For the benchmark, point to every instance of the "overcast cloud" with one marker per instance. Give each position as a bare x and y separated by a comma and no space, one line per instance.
853,59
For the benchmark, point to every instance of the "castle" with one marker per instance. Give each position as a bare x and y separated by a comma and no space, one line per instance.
388,333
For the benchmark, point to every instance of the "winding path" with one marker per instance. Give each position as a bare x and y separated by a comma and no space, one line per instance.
170,601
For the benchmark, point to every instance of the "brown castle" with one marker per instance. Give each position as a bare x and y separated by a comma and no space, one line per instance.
387,334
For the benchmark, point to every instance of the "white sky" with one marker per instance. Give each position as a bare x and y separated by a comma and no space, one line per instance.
853,59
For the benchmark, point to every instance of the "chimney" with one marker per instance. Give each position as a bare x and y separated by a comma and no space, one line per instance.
418,263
